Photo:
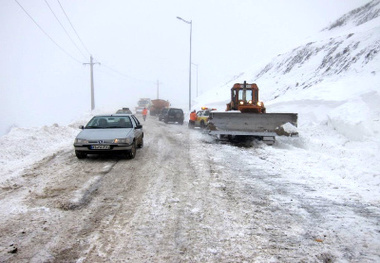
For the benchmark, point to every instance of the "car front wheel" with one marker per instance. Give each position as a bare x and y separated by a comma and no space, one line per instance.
132,152
141,144
80,155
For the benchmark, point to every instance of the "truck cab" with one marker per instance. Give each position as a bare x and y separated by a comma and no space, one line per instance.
245,98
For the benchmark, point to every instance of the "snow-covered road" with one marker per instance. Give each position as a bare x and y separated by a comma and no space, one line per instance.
186,198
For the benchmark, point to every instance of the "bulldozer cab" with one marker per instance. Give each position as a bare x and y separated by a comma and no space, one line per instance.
245,98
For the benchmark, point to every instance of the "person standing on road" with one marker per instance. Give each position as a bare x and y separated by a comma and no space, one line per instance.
144,113
193,118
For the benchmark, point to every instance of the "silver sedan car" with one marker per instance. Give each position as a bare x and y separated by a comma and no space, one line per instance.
120,133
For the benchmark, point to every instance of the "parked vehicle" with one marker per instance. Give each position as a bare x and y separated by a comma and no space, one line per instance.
203,117
120,133
162,114
174,115
157,106
124,111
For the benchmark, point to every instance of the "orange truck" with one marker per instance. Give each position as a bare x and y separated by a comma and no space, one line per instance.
157,105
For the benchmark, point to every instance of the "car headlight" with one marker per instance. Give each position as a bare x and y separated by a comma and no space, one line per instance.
259,103
122,140
80,140
249,102
241,102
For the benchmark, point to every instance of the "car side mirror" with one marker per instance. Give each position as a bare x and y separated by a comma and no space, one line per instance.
139,126
81,127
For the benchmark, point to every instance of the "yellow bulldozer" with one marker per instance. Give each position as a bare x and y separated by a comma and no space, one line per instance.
246,116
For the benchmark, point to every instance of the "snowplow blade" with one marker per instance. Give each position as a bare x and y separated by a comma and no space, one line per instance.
255,124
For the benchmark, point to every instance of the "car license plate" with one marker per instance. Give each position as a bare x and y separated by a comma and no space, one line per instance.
100,147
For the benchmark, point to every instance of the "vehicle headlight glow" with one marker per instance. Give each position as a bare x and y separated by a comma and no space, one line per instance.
259,103
250,102
241,102
80,140
120,140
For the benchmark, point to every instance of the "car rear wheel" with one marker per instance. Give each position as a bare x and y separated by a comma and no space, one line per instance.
80,155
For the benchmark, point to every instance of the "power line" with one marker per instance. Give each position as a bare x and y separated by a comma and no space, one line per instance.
67,33
73,28
127,76
63,50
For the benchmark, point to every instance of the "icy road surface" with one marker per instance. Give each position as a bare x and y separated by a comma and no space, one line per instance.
184,198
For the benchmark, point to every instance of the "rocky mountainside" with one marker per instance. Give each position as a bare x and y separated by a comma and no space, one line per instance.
358,16
350,44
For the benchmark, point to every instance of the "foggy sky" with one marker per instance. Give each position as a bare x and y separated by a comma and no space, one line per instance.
137,43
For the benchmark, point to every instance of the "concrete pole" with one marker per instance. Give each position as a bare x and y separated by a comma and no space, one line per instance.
92,81
158,89
92,84
191,29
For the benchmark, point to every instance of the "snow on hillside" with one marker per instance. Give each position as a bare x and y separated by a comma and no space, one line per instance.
358,16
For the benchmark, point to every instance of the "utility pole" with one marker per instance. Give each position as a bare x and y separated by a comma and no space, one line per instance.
158,89
92,81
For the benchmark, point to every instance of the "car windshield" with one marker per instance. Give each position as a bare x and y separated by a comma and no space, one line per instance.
109,122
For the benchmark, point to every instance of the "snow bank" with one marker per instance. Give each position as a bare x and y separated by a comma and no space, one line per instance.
23,147
352,120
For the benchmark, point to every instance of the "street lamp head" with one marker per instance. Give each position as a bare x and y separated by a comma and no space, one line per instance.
187,22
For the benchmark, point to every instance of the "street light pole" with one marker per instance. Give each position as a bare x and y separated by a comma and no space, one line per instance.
196,65
191,28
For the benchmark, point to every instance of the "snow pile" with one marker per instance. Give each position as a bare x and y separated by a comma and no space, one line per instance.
23,147
290,128
354,120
